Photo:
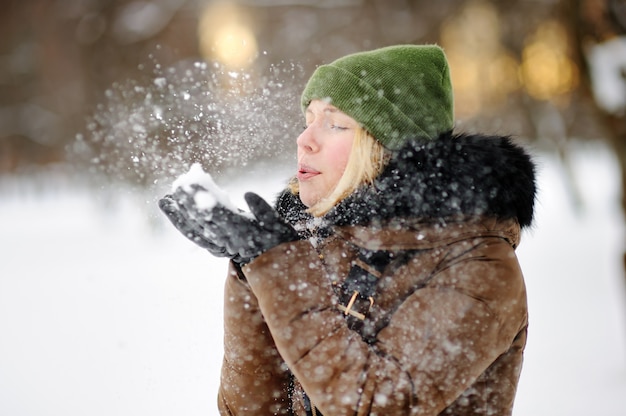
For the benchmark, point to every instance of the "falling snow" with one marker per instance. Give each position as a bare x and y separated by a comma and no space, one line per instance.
102,301
150,130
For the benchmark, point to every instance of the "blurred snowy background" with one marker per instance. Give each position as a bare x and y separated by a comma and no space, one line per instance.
106,310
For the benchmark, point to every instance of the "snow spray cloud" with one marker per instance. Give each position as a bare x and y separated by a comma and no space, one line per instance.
150,131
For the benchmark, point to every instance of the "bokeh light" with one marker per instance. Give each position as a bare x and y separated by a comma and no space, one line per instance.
225,35
547,70
483,71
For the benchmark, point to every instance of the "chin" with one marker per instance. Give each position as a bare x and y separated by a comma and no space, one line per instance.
305,201
307,198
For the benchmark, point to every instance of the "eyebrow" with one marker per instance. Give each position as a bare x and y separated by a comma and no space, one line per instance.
326,110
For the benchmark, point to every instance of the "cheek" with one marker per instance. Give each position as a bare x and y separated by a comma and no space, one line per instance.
340,155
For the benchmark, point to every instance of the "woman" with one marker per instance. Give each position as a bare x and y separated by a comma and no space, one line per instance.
385,280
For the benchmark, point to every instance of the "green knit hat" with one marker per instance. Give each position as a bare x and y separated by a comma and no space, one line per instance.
396,93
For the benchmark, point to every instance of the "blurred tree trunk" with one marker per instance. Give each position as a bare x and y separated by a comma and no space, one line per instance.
596,24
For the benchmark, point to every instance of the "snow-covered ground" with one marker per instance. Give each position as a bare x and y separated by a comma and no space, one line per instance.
106,310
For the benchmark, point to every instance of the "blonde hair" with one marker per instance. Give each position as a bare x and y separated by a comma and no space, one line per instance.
366,160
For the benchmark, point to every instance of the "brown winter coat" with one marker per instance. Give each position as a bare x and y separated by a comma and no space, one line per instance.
447,329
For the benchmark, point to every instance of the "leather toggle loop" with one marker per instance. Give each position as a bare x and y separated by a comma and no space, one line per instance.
358,306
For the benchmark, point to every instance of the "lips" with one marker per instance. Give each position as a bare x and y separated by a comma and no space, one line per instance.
306,172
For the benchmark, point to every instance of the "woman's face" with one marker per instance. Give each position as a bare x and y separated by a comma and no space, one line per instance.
323,150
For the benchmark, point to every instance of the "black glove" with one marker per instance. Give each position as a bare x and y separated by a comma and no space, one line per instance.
249,237
224,232
191,227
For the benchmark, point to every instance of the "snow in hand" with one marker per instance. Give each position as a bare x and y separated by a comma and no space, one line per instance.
209,194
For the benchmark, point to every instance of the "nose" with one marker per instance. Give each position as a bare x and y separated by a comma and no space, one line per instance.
306,141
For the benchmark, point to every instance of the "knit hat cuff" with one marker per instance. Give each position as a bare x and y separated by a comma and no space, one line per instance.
361,101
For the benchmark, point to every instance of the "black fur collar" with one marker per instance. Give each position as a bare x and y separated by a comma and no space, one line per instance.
468,175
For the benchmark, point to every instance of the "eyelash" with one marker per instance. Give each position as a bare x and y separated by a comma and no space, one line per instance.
332,126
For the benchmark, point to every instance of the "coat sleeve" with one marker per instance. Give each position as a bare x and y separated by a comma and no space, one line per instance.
254,378
438,342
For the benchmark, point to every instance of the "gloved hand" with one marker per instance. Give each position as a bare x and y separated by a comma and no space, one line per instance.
224,232
188,223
